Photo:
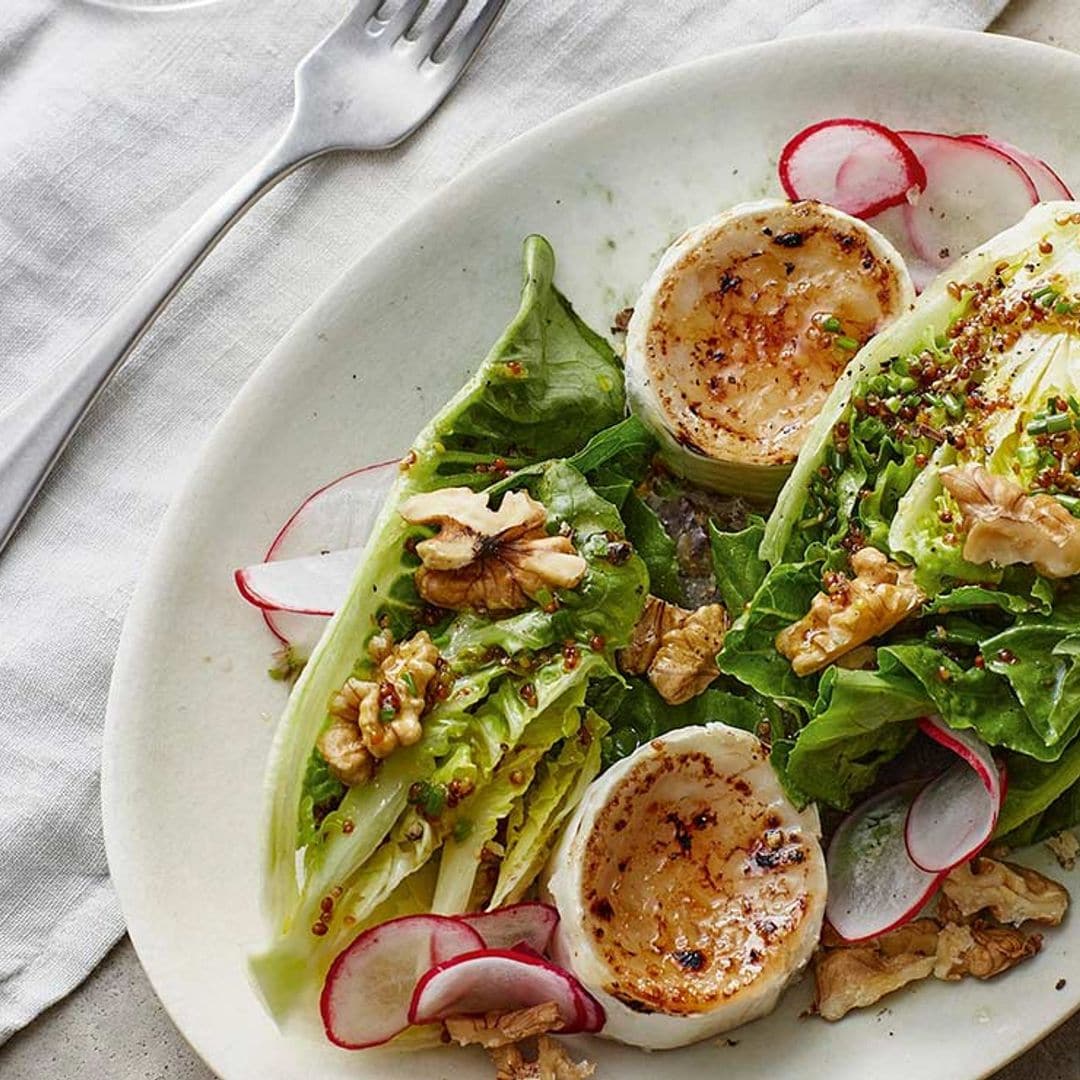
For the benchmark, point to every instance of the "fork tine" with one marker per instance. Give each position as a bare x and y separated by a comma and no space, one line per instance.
430,38
458,59
361,11
402,19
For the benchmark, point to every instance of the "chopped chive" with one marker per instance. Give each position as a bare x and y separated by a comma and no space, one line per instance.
387,713
893,403
1071,503
848,343
1037,426
409,682
907,384
1063,307
933,400
952,404
833,325
1046,290
1027,456
1058,423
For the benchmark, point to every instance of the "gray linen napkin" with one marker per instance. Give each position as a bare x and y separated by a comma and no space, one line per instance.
116,127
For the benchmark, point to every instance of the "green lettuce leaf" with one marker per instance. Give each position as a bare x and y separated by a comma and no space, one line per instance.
1033,788
972,698
534,822
655,546
736,566
862,719
636,713
460,857
547,387
749,651
548,384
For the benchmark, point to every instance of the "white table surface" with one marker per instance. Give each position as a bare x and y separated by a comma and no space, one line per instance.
113,1026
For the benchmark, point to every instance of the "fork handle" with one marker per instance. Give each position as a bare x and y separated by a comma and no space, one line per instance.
35,429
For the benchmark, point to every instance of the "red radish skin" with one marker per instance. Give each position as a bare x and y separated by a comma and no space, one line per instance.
873,884
973,191
500,980
309,585
965,744
368,990
856,165
529,923
954,816
1048,184
295,538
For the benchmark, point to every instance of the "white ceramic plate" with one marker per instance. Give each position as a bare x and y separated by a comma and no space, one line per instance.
192,711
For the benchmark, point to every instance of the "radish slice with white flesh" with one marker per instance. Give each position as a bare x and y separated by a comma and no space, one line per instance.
973,191
335,517
858,166
498,980
369,987
1048,184
310,585
530,923
954,816
873,883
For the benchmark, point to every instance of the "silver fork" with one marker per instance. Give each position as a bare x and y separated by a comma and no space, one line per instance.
367,86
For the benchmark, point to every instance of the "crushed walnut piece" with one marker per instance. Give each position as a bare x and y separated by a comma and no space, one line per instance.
503,1028
981,951
1005,525
373,717
685,663
656,619
1010,893
850,611
676,648
955,943
1065,847
551,1063
853,976
488,560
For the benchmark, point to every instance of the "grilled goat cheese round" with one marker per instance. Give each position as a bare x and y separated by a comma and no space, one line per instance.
743,328
690,890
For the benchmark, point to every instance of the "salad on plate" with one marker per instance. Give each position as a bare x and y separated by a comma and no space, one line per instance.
662,670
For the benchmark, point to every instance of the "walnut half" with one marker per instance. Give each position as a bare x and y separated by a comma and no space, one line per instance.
981,951
552,1062
504,1028
676,647
854,976
850,611
1005,525
371,718
1010,893
488,560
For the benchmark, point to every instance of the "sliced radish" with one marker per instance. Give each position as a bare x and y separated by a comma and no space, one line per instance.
1047,183
965,744
973,191
499,980
858,166
335,517
309,585
873,884
529,923
366,996
954,816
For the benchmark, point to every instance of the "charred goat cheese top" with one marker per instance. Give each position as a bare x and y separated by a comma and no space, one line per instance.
689,888
744,327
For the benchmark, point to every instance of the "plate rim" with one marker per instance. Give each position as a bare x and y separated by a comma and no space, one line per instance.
564,124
